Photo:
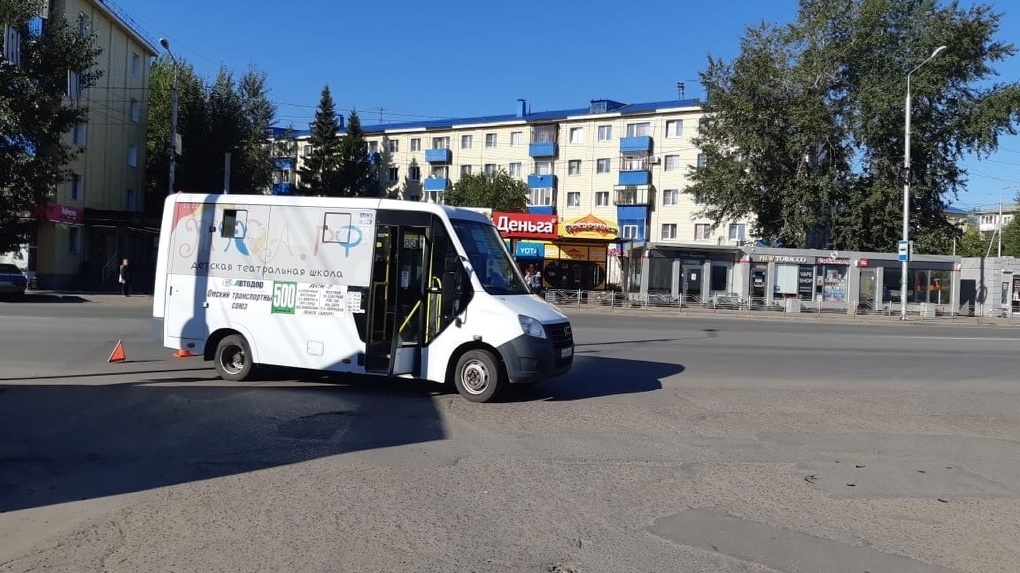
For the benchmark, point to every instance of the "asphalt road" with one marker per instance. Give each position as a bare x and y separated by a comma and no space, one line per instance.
675,444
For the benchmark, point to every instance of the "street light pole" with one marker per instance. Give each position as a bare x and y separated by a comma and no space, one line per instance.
906,187
173,118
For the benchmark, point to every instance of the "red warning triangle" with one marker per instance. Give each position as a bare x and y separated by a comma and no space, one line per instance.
118,354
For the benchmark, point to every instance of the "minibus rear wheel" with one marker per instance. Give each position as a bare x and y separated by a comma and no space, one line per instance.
233,358
478,376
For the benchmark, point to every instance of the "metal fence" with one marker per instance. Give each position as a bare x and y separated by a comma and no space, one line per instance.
735,304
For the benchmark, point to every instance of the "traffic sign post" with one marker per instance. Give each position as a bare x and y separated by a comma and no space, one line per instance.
905,250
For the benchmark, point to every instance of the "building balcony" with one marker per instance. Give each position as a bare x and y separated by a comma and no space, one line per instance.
635,177
541,181
284,163
542,149
638,195
283,188
436,183
438,156
636,144
541,209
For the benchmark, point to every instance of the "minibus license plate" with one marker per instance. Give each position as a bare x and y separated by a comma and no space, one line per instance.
566,352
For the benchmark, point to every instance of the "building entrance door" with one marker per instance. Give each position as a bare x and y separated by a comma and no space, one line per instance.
867,293
691,282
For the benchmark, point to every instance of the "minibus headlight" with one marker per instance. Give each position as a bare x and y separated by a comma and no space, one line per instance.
531,327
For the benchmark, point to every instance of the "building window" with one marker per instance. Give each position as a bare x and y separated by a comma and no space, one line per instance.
466,141
434,197
574,167
674,128
440,143
12,45
441,172
629,231
490,140
737,231
84,25
515,169
132,200
702,125
414,173
74,91
702,161
702,232
74,240
136,111
602,165
76,188
394,174
668,231
605,132
543,168
79,134
490,169
306,151
573,199
416,144
515,138
540,197
602,198
393,145
670,196
576,135
543,134
133,155
634,164
373,146
672,163
639,129
136,65
465,170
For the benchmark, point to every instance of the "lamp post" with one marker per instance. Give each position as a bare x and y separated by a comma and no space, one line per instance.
173,118
905,244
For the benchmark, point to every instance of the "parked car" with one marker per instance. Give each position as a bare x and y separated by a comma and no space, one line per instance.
13,281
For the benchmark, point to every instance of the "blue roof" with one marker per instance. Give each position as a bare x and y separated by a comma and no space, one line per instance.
535,117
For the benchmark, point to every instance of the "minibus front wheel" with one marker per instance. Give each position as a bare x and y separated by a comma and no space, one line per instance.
478,376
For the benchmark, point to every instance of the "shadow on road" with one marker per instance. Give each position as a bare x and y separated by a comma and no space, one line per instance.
595,376
65,443
62,443
52,298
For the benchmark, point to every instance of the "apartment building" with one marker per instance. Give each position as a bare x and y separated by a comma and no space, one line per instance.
611,176
95,217
991,219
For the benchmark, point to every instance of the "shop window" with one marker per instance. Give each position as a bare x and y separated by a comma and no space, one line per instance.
719,279
834,283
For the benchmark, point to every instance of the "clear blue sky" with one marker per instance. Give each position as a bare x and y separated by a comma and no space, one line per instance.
462,58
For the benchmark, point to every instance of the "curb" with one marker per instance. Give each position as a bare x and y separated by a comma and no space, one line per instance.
959,321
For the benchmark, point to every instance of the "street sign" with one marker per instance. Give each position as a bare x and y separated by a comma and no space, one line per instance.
904,251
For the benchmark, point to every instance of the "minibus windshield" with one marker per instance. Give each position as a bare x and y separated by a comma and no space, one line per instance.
489,258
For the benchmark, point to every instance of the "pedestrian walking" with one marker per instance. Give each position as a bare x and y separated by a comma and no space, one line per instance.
125,278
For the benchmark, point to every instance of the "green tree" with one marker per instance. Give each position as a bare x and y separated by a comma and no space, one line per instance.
358,177
35,112
498,191
192,126
1011,239
253,170
806,129
320,172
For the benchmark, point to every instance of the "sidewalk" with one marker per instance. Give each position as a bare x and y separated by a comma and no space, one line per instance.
831,317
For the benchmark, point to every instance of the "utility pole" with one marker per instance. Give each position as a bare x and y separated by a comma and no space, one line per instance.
173,119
